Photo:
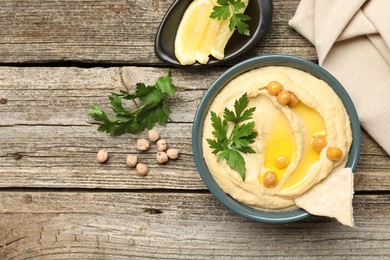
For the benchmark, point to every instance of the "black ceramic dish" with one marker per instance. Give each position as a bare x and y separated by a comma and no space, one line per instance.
259,10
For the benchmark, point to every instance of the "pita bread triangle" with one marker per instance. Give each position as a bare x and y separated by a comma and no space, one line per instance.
332,197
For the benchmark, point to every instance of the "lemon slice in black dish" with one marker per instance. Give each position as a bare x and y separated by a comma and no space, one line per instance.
260,12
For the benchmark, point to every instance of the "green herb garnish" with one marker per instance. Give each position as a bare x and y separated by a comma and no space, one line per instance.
242,135
154,108
231,8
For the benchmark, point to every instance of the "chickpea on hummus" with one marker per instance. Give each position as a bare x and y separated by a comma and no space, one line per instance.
303,131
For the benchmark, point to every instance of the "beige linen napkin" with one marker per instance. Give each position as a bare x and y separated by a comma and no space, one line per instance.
352,40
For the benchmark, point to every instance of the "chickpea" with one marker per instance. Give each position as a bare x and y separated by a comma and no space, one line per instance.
102,156
162,157
161,145
131,160
142,169
283,97
173,153
269,179
319,142
274,87
282,162
142,145
294,101
153,135
334,153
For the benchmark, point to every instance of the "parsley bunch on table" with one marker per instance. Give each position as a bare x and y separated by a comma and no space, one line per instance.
231,8
229,148
154,108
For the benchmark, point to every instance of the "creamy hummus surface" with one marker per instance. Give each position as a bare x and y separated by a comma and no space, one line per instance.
283,132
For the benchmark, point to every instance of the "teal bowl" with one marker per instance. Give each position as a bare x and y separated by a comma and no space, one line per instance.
219,84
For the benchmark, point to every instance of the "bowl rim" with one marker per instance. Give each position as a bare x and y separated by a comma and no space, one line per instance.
220,83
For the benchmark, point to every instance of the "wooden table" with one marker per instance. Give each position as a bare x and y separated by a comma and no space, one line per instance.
56,202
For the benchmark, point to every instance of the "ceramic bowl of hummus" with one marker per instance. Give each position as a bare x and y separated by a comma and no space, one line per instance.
270,129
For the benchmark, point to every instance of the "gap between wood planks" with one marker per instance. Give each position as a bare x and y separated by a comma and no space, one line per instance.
83,65
150,191
90,65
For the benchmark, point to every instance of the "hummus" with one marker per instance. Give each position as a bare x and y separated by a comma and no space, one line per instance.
283,131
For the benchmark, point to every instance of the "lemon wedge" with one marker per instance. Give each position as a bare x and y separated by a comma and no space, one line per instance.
190,33
212,31
224,34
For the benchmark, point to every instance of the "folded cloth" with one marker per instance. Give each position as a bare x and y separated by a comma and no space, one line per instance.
352,40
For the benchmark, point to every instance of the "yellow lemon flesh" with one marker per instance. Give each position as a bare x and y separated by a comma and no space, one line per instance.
212,32
218,49
191,30
199,36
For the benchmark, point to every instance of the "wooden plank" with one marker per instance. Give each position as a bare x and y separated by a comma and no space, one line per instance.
61,96
65,157
111,31
63,225
45,122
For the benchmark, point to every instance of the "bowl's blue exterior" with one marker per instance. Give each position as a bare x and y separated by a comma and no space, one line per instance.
256,62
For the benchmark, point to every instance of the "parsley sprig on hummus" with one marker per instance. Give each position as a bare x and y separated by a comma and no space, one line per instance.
229,146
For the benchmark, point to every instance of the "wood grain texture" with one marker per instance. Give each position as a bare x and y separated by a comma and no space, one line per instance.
57,202
111,31
45,122
61,96
106,225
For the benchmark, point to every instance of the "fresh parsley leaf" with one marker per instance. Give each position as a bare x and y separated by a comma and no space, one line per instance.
116,104
97,113
221,127
238,20
165,85
166,108
154,108
140,91
240,114
241,133
232,9
241,136
107,127
235,161
218,147
221,12
152,98
237,5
